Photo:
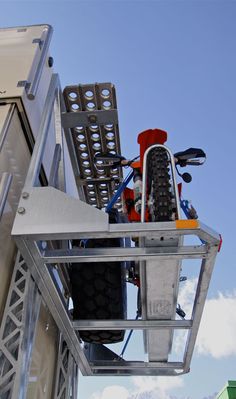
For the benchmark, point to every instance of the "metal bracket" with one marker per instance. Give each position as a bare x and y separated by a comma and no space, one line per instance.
89,118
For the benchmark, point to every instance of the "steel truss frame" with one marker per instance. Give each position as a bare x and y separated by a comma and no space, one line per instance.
17,331
67,373
47,214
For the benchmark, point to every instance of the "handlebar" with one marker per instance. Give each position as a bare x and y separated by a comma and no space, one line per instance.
192,157
191,162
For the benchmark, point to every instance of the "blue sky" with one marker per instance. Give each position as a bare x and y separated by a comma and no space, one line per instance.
173,64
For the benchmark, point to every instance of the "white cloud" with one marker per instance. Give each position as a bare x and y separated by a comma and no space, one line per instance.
186,296
216,336
143,388
112,392
185,299
155,387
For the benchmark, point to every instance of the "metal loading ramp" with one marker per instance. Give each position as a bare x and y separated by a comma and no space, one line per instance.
91,124
47,221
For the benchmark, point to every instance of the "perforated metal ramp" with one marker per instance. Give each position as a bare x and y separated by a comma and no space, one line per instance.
92,121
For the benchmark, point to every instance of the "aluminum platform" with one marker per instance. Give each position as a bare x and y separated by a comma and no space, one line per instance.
32,228
46,215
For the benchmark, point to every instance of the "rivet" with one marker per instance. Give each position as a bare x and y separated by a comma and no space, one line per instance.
25,195
21,210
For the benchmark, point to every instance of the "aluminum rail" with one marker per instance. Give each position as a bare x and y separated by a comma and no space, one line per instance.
83,325
122,254
124,368
55,166
40,143
138,365
199,302
111,370
5,185
44,42
5,128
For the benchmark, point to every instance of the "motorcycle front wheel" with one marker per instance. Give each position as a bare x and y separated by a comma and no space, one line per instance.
160,198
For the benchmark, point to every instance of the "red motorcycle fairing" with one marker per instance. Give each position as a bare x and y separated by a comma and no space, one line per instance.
149,137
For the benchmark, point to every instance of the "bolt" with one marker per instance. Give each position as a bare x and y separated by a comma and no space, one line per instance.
92,118
25,195
21,210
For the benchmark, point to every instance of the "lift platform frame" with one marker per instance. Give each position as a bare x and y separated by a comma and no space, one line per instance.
47,214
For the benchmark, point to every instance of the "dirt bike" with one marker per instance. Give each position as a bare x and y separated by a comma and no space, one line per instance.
155,195
99,291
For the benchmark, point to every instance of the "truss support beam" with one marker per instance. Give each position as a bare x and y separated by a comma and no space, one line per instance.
17,332
66,374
